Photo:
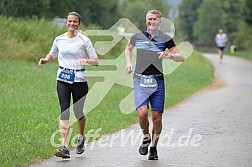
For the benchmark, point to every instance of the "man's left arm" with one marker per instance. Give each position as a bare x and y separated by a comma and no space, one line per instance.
174,54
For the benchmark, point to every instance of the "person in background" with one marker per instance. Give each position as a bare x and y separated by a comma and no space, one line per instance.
233,48
120,28
221,40
73,50
152,47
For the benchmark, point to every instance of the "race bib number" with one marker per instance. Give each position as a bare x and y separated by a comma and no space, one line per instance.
66,76
148,81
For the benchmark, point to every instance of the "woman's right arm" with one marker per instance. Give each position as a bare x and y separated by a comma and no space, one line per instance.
45,60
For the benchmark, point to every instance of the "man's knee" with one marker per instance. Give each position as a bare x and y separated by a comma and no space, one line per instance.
142,112
157,119
157,122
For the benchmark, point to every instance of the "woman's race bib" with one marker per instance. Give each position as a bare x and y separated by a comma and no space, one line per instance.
66,76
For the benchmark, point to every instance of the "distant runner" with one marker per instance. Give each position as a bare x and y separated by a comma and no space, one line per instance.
221,40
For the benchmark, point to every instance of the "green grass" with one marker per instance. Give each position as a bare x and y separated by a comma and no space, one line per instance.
243,54
30,110
247,54
192,75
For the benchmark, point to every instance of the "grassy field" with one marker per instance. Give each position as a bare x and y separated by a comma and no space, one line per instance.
30,110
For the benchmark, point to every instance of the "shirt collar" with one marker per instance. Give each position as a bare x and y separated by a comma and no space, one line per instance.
148,35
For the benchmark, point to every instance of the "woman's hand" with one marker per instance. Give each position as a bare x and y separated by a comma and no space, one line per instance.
82,61
42,61
45,60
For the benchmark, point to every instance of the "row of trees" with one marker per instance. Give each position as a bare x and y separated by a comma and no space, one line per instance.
200,20
95,12
103,13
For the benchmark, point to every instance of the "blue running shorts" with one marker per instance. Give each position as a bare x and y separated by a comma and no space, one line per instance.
145,95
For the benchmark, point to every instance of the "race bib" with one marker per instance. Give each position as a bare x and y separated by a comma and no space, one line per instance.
148,81
66,76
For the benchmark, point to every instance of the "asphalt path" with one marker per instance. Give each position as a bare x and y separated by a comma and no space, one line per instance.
213,127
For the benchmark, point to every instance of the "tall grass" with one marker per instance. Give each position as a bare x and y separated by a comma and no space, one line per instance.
28,39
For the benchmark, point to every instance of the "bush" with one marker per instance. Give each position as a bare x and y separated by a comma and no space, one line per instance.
28,39
244,36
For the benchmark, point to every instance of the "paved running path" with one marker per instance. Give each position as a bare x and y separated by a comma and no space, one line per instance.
211,128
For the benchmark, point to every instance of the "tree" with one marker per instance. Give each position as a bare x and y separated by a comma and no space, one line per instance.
211,17
187,17
24,8
233,16
103,12
244,35
248,12
135,11
61,9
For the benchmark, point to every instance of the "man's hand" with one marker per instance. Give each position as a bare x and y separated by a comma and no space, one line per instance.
129,68
165,55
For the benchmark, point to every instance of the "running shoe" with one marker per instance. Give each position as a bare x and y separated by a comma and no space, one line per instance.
80,145
153,153
62,152
143,149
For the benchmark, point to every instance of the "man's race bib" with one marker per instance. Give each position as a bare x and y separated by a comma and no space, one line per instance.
66,76
148,81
